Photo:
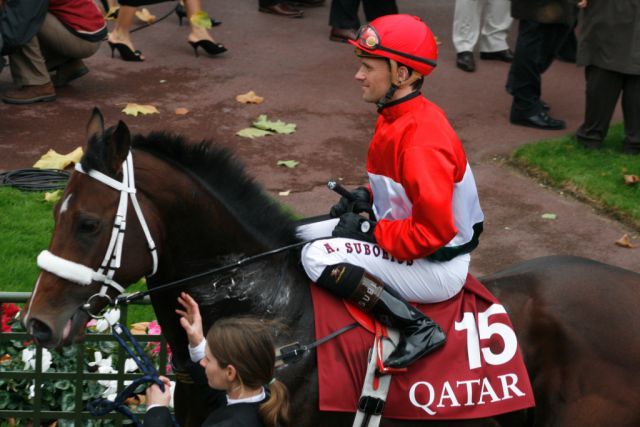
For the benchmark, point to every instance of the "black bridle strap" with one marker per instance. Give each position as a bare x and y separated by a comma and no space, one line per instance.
125,299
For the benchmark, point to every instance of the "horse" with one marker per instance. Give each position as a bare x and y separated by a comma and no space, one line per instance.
196,209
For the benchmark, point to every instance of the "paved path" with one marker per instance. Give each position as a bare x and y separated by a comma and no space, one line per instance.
308,80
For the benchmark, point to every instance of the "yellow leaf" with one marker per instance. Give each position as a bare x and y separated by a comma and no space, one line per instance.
631,179
112,13
145,16
253,133
250,98
139,328
201,19
625,242
284,193
288,163
278,126
135,109
181,111
53,160
52,196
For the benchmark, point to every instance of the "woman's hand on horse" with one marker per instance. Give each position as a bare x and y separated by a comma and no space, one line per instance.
190,319
154,396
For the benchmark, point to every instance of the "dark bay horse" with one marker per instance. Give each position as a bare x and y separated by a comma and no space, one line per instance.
577,320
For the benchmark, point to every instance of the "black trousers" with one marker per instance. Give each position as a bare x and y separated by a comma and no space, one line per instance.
344,13
536,46
267,3
603,90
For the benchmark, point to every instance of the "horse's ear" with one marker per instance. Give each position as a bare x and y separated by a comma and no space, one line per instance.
118,146
96,124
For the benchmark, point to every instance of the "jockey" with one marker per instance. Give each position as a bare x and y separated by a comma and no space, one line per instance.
424,213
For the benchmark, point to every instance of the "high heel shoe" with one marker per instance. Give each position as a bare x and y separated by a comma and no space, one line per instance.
125,52
208,46
182,13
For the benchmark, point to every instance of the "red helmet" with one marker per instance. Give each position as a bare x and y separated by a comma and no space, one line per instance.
401,38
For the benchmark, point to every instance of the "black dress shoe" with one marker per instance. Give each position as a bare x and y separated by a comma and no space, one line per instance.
465,61
282,9
306,3
501,55
546,107
342,34
541,121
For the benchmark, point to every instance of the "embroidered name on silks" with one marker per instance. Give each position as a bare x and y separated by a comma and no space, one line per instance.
365,249
424,395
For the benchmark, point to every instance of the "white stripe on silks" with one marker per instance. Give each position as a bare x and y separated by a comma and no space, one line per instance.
65,269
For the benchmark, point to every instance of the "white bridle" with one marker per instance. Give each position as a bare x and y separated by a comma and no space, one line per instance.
83,275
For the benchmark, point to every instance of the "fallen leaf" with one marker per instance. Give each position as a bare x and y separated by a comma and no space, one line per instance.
284,193
549,216
53,160
288,163
181,111
201,19
625,242
631,179
52,196
112,13
438,42
139,328
135,109
162,81
253,133
250,98
145,16
278,126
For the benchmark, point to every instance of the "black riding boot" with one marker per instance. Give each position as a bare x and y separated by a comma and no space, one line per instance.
419,335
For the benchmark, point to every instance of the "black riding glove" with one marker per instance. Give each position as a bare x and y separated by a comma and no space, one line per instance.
353,226
361,203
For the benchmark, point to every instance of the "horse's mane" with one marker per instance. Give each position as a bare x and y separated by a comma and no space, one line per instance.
219,170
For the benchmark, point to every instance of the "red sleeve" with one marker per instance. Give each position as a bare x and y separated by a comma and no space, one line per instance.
428,176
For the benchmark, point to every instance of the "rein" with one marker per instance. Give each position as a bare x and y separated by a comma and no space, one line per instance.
102,406
124,299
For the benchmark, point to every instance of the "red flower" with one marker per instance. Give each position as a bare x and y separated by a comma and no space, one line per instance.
8,311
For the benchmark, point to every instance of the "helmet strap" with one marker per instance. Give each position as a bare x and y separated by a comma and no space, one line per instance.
387,97
396,84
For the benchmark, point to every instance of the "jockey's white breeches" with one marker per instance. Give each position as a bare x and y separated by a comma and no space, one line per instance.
421,280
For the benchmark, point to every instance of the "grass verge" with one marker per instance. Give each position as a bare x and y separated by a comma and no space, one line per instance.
595,176
26,224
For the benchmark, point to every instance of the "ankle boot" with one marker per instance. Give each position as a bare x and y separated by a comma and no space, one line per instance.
419,335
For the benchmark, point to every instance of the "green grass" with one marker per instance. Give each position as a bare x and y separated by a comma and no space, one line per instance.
593,175
26,224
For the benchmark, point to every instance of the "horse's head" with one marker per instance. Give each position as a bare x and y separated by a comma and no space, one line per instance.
91,254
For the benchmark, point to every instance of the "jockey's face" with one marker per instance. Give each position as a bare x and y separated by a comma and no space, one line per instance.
375,77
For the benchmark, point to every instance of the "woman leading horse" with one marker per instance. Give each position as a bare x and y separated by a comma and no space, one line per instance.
189,208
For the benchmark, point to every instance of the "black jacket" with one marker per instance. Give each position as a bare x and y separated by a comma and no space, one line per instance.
222,415
20,20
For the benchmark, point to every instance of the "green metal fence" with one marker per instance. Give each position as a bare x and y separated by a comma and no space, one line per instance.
77,380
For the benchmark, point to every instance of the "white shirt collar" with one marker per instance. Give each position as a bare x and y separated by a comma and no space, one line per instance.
253,399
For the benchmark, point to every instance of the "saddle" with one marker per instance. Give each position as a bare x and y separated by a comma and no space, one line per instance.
479,373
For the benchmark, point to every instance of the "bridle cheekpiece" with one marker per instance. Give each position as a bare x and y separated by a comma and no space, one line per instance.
83,275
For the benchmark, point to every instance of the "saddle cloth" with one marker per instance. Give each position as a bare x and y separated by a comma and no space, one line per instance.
478,373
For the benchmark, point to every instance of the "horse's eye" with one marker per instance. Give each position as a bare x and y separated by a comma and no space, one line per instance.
88,225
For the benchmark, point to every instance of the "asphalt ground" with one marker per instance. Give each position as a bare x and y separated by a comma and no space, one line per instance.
308,80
